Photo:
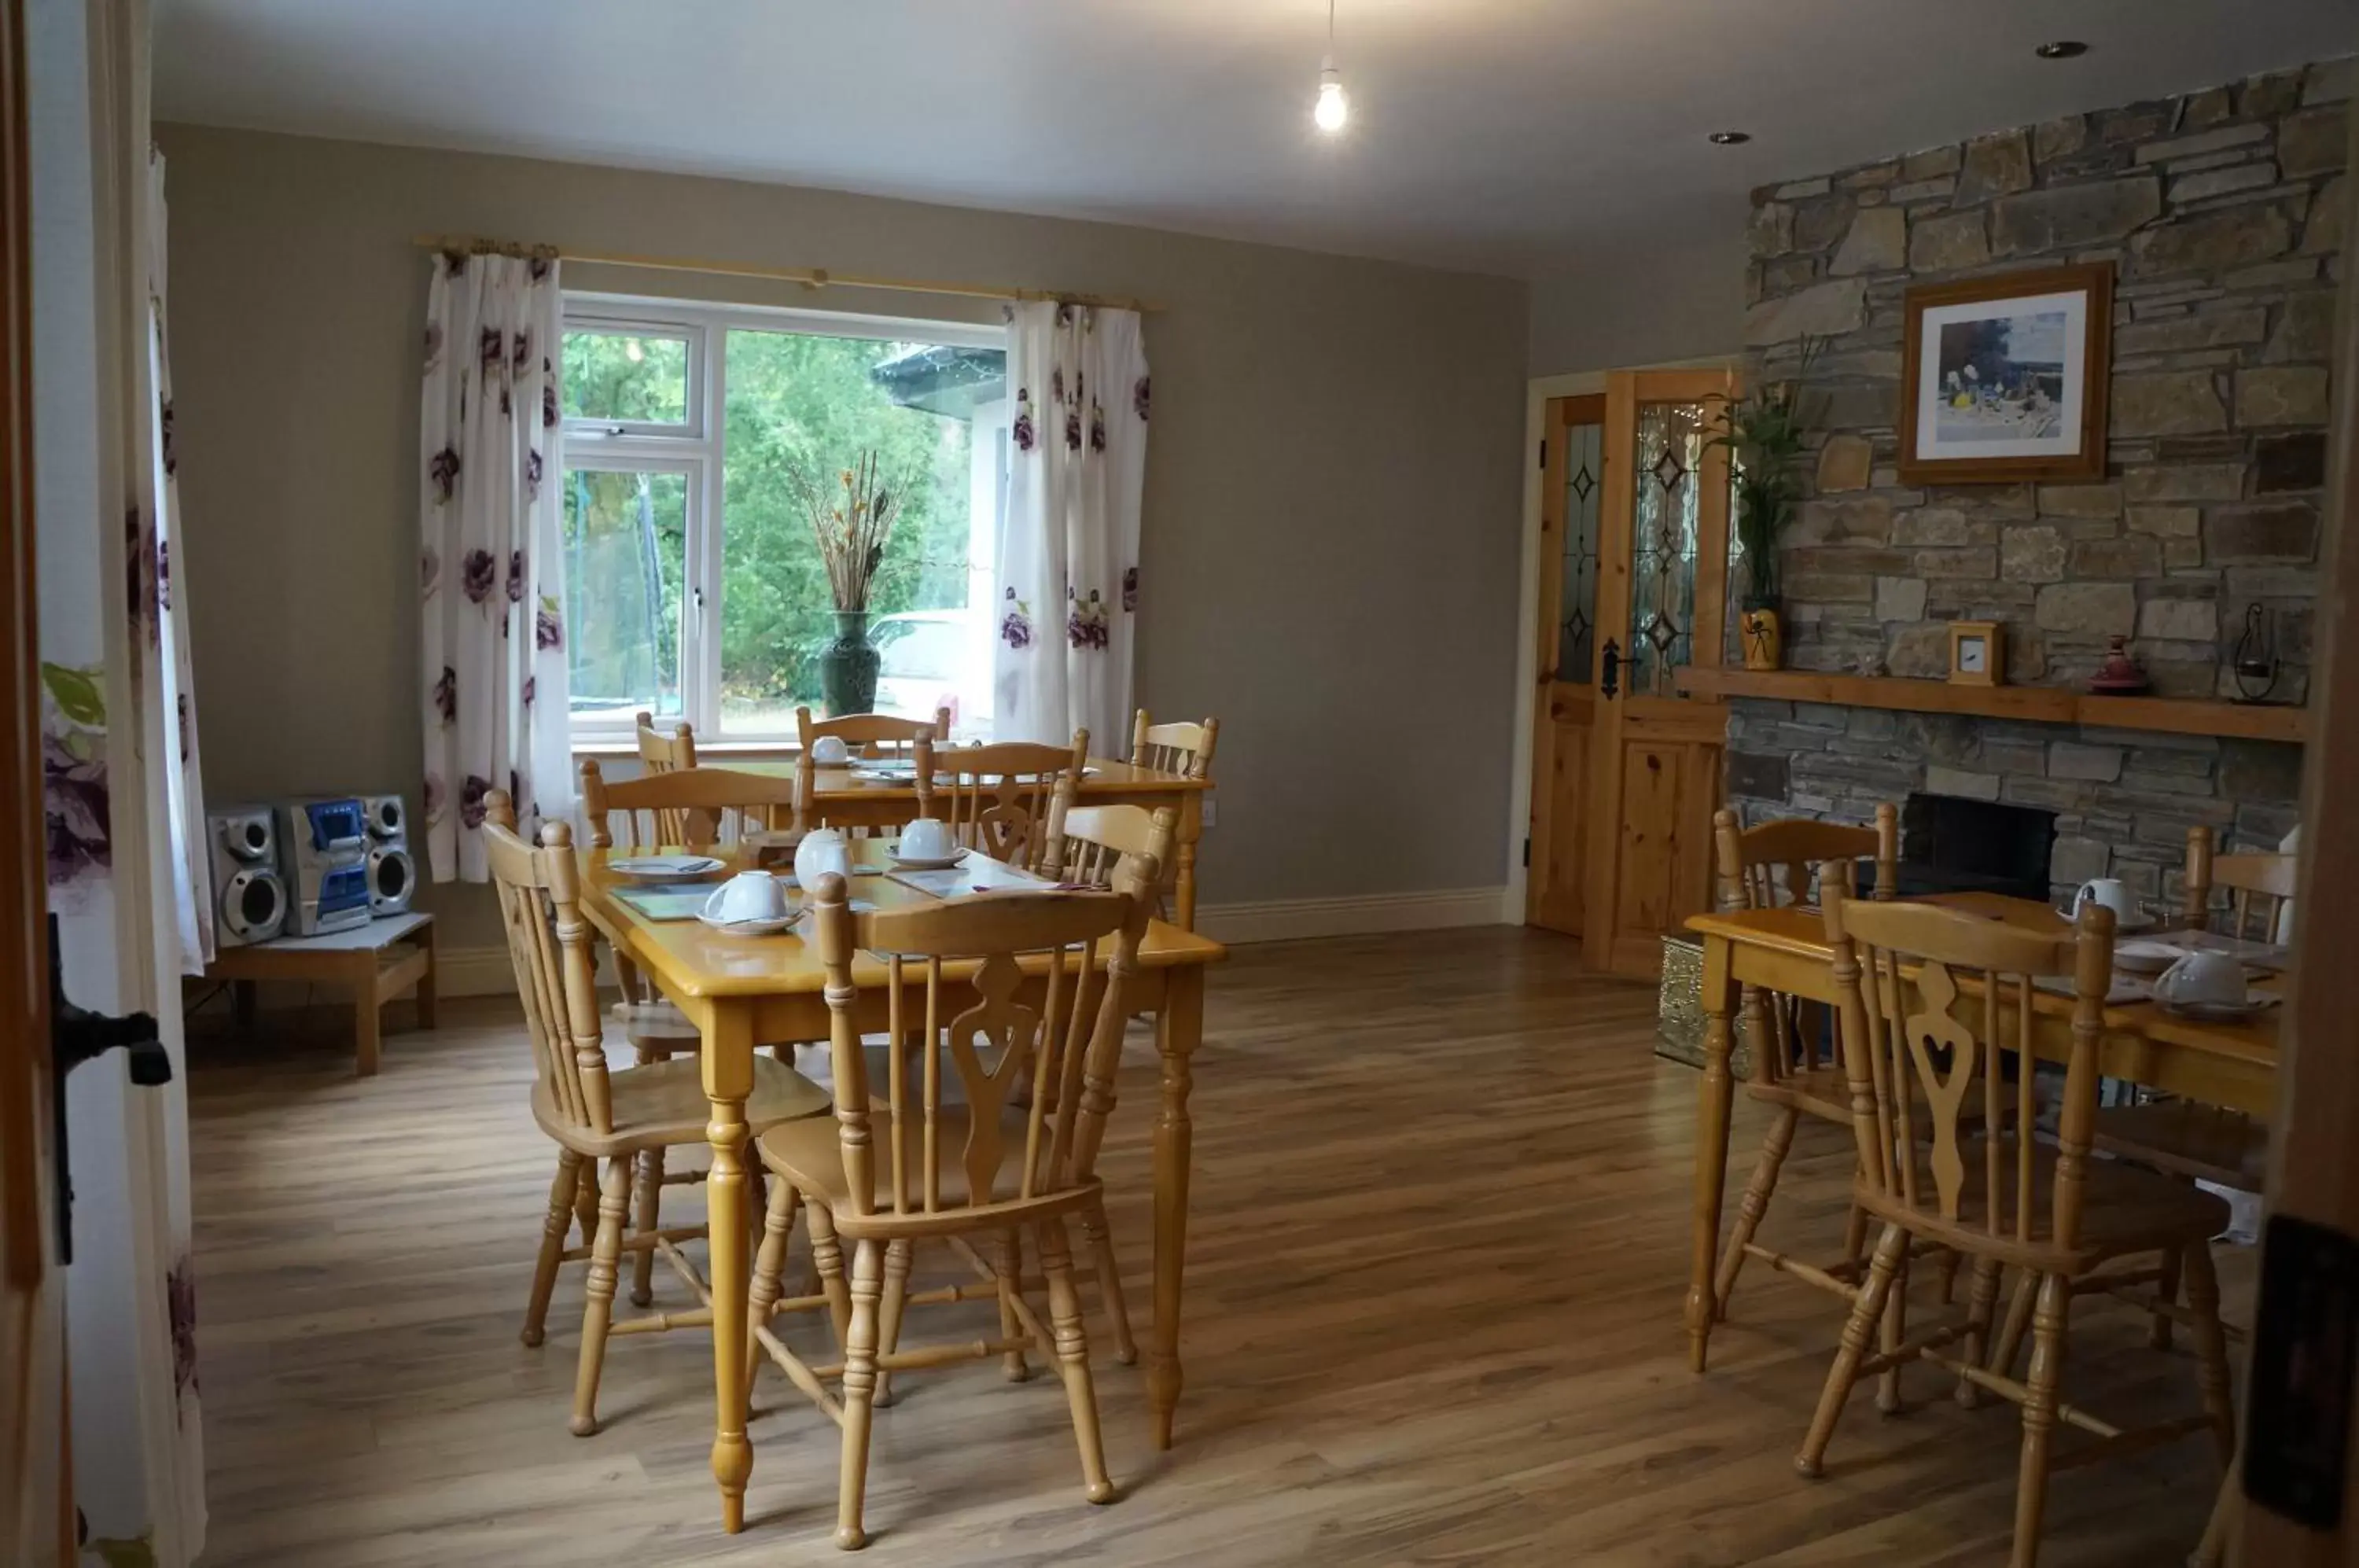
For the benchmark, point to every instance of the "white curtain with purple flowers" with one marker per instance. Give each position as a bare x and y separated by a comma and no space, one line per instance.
492,580
1069,551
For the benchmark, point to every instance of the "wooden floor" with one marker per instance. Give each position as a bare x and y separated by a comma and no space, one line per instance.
1441,1203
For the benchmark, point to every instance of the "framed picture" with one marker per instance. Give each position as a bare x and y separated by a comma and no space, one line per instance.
2003,379
1977,653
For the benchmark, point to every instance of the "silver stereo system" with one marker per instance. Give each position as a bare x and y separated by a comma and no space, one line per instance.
249,898
323,847
392,875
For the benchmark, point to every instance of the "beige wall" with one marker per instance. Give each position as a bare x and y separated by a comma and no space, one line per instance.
1681,302
1330,534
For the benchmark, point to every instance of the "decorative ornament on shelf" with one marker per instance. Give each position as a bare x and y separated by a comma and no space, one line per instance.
2119,676
2256,659
1762,435
1977,653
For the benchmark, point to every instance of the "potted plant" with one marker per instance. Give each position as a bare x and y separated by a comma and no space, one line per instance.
851,517
1763,433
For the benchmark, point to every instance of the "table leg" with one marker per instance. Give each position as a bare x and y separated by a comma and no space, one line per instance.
1183,886
1176,1034
427,997
368,1023
1714,1093
728,1080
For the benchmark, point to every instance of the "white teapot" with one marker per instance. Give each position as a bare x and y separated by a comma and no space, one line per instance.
821,851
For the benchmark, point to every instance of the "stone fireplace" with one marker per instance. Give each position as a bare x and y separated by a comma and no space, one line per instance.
2221,211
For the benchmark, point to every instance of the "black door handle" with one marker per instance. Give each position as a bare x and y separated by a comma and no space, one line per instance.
77,1036
1609,679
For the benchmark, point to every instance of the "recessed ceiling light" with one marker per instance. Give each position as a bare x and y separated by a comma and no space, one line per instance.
2062,48
1729,139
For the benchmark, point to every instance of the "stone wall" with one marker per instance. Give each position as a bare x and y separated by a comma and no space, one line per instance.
2222,213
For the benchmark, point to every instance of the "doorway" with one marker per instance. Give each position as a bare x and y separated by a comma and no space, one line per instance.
1632,593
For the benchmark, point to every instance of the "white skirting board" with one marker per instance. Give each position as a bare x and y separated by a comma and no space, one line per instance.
484,971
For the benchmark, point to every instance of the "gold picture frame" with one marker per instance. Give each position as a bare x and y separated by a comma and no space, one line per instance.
2005,379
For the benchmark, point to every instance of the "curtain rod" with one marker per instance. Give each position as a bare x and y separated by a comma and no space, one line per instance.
814,278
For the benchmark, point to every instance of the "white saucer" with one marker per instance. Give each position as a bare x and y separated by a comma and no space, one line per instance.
2218,1012
750,928
2137,957
942,863
664,867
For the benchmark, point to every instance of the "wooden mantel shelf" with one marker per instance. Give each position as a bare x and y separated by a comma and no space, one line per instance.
2042,705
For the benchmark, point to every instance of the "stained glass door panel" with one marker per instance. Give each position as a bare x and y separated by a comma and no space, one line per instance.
1584,489
1663,545
1572,498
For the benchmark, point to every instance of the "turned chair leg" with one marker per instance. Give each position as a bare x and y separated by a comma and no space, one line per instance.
585,1201
1854,1243
648,1199
1100,1237
2049,1323
614,1201
769,1265
1010,1267
553,1232
1894,1329
1074,1356
2211,1348
2158,1333
896,1296
1755,1202
827,1256
1864,1315
2019,1319
1982,1307
859,1392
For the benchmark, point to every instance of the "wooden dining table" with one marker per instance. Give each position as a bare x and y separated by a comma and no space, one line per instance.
742,991
848,797
1786,950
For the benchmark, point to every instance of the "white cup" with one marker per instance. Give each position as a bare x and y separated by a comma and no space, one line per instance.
748,895
829,751
821,851
927,839
2212,978
2112,893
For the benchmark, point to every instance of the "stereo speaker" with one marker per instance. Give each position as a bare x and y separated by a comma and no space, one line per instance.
393,875
249,896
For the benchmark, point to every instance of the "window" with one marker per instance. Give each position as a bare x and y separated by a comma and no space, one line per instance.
694,587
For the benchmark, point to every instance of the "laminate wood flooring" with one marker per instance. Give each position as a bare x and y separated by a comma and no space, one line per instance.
1434,1281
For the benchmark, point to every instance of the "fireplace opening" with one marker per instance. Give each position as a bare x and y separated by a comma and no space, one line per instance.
1952,844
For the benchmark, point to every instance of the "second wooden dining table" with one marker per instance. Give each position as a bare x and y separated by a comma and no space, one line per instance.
849,797
741,992
1786,950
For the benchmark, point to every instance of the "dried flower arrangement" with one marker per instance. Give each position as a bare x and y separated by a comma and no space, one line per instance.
852,519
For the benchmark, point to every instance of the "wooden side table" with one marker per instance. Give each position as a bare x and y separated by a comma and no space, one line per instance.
378,962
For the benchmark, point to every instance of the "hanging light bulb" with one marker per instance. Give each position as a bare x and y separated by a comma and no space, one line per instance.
1332,108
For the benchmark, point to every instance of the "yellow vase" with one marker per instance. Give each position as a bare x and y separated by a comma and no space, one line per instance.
1762,639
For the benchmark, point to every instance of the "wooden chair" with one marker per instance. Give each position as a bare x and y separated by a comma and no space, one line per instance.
1928,996
996,797
988,1168
667,751
875,735
1180,748
594,1113
1768,865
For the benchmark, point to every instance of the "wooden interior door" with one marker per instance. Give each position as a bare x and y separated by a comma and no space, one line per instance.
35,1505
1655,752
1572,482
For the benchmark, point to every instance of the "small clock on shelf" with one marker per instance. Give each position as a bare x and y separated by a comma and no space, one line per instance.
1977,653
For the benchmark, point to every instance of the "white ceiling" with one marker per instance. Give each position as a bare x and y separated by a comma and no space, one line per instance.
1504,135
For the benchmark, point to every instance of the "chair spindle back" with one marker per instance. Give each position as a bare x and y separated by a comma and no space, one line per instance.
878,735
1101,845
540,892
694,808
2259,888
667,748
1180,748
955,975
996,799
1776,864
1931,998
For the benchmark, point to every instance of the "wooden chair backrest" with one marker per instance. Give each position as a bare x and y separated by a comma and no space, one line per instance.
666,749
2258,888
540,892
1929,996
996,797
1103,845
886,734
1778,863
1180,748
694,808
972,1024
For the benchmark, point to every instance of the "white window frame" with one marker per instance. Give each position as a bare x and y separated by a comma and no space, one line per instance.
698,448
